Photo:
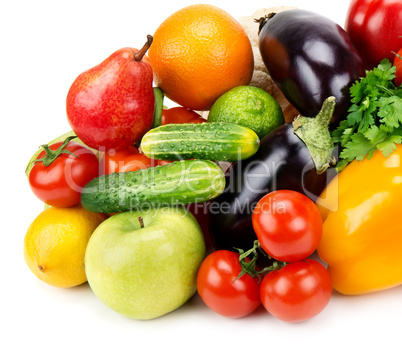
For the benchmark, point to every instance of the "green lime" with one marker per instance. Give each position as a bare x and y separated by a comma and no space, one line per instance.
248,106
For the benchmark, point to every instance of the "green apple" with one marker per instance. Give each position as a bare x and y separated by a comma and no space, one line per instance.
145,270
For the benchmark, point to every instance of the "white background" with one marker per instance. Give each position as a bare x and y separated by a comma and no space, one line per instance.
44,46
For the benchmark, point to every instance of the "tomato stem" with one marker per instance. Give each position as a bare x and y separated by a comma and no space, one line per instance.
52,155
250,266
276,265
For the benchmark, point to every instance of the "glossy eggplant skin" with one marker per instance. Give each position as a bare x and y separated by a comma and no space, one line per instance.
310,58
283,161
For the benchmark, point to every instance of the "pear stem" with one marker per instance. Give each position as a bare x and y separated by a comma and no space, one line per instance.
140,54
141,222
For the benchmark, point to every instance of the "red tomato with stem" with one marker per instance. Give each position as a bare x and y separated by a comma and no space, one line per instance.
296,292
221,291
125,160
398,65
375,27
65,168
180,115
288,225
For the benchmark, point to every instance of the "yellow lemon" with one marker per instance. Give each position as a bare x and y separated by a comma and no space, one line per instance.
55,244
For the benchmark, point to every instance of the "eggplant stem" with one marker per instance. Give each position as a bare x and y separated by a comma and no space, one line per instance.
263,20
315,133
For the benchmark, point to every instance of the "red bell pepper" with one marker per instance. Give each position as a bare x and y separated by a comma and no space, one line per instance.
375,27
398,68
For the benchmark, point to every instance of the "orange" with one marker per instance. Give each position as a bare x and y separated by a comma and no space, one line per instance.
198,53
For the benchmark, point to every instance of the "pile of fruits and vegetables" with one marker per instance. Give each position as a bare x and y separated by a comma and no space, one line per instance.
273,180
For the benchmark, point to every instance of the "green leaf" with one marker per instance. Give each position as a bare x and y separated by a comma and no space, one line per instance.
368,118
358,148
390,111
355,116
389,145
385,71
341,165
357,92
346,135
375,135
374,119
337,133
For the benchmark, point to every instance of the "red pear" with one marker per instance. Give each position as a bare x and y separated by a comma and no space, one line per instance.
111,105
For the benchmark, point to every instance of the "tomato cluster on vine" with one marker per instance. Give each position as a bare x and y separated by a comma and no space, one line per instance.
294,287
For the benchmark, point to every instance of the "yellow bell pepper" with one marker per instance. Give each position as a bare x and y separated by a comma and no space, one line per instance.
362,230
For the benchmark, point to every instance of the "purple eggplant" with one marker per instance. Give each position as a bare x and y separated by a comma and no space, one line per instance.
310,58
296,156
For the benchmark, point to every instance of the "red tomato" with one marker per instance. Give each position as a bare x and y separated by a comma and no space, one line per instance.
180,115
288,225
220,291
398,64
374,27
60,184
125,160
296,292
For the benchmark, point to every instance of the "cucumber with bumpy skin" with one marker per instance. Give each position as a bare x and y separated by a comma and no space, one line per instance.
177,183
209,141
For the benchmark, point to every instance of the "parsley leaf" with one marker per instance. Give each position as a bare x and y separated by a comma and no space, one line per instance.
374,119
359,147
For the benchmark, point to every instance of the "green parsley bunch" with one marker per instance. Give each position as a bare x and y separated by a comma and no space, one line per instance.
374,121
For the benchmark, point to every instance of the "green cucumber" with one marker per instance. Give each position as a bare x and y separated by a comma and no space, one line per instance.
210,141
177,183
